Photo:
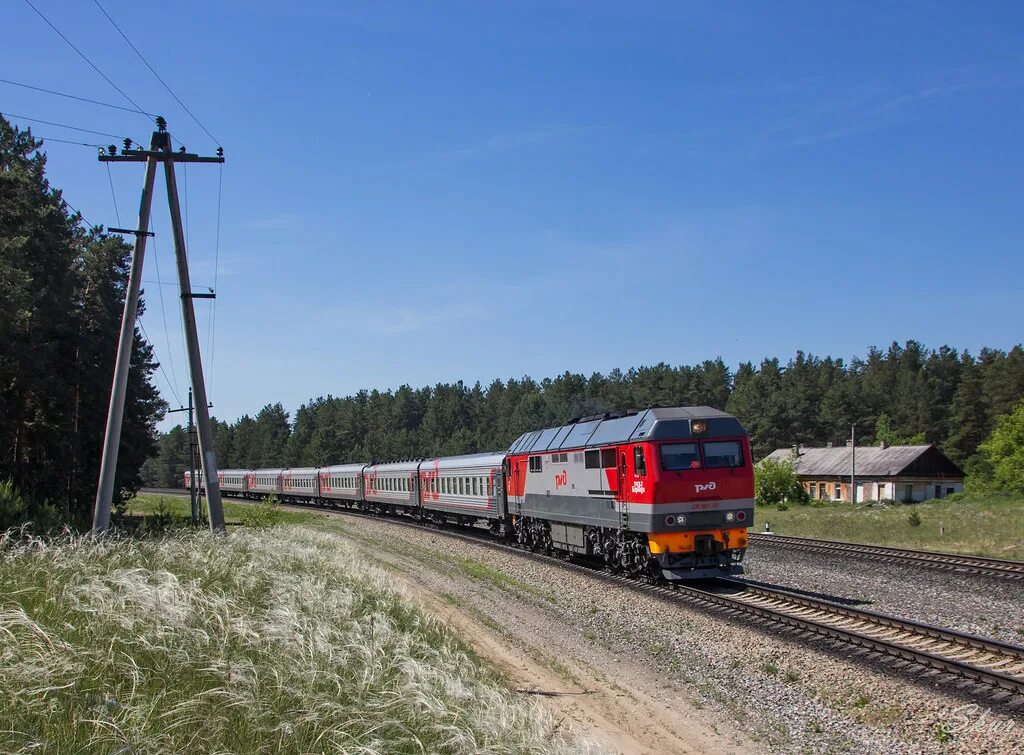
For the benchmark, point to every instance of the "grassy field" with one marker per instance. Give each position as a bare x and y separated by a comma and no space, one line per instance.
235,513
269,640
982,525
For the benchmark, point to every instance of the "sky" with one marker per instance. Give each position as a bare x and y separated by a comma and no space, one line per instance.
431,192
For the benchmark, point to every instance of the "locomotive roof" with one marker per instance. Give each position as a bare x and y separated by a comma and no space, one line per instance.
623,427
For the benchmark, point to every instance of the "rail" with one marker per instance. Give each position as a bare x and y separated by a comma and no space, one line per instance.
992,567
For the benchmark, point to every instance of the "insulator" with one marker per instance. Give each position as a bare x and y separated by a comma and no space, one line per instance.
127,144
161,123
111,149
181,149
220,152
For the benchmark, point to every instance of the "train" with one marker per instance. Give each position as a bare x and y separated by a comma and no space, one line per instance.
664,493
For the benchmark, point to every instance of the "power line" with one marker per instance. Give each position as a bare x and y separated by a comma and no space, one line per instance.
211,336
85,58
65,141
75,97
153,70
159,363
113,195
63,125
79,214
163,312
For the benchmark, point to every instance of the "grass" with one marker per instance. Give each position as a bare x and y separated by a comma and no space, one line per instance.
280,639
235,513
983,525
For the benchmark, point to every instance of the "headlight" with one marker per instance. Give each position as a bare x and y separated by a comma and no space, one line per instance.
729,516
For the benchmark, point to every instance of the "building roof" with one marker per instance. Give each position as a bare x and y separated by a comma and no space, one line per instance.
872,461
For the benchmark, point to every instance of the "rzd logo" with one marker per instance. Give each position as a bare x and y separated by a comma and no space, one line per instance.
638,487
706,486
562,478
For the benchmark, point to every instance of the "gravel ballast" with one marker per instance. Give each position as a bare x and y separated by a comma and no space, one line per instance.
769,690
988,606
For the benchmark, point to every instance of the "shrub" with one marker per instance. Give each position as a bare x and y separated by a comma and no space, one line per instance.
262,515
1004,451
775,482
160,521
914,519
956,497
783,507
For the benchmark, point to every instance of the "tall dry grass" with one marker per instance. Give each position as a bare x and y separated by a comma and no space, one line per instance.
281,640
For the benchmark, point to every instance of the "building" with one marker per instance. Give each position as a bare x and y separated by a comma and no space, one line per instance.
900,473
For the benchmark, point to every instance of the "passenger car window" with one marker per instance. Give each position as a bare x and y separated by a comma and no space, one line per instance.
723,453
678,456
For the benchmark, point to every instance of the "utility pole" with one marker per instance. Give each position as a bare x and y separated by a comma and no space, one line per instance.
160,151
853,464
193,488
115,414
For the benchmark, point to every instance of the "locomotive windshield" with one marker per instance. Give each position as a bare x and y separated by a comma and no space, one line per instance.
677,456
717,454
723,453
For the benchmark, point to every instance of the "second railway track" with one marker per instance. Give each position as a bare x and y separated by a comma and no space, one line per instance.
991,567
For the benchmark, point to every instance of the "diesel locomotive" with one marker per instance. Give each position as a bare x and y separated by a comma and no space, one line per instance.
667,492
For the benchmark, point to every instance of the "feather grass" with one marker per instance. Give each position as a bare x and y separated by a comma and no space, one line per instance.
267,641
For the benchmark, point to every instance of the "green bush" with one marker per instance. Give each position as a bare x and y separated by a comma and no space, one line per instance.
260,516
914,519
1004,452
160,521
775,482
783,507
956,497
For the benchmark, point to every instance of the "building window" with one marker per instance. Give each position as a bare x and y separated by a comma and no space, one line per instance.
535,463
813,489
837,491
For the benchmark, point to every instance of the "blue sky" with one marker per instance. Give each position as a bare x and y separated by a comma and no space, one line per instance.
424,192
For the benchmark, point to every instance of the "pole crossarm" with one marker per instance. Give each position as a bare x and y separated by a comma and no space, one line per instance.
131,232
141,155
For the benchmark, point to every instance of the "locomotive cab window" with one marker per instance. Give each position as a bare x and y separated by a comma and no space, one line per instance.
678,456
607,458
723,453
639,461
593,459
535,464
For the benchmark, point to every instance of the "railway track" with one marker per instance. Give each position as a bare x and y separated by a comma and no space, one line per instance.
991,567
973,664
